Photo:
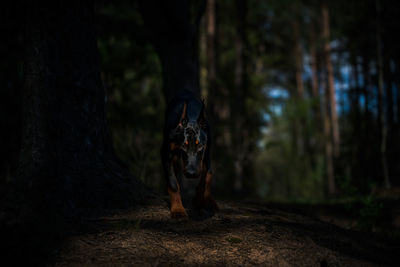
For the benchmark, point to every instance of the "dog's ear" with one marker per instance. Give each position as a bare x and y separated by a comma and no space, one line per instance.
202,120
184,112
203,109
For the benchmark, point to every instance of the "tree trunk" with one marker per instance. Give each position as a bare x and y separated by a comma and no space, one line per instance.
330,76
366,153
11,24
356,90
318,124
174,29
211,50
366,83
327,131
217,96
397,81
388,82
381,108
239,90
314,73
214,104
298,60
67,163
300,123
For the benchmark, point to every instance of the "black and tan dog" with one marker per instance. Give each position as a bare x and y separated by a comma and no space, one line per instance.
185,152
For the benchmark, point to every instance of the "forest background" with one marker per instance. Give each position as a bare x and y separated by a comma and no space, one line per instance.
303,96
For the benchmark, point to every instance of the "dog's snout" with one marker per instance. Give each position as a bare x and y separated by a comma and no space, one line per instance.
191,172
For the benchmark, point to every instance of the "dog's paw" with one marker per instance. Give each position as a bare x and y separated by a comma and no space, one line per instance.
210,204
178,213
205,203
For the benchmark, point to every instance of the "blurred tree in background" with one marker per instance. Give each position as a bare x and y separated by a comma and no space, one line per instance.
303,96
132,77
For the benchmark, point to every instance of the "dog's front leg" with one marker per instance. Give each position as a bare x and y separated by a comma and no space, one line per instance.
176,207
209,202
204,199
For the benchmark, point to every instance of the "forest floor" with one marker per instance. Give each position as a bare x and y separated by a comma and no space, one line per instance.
247,234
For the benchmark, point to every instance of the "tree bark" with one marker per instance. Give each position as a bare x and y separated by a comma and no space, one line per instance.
11,25
388,81
211,47
314,73
174,29
330,77
300,123
367,136
366,83
316,101
381,107
238,97
214,104
67,162
217,95
397,82
298,60
327,132
356,90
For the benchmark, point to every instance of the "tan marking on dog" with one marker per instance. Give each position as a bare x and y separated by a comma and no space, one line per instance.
184,111
177,209
207,189
173,146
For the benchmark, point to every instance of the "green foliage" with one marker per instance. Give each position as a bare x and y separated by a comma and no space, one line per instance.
285,157
348,190
369,213
283,172
132,77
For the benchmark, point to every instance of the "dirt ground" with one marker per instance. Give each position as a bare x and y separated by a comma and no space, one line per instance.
238,235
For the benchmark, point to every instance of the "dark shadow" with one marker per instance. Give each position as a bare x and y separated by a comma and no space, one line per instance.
358,245
38,241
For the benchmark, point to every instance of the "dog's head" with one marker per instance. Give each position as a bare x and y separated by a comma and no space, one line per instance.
191,138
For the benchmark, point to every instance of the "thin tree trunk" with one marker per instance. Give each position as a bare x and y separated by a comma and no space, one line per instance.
388,81
316,104
11,24
237,103
67,162
329,157
300,123
211,30
366,83
174,28
218,106
211,49
327,131
397,82
367,136
298,60
357,146
355,94
314,73
330,77
381,108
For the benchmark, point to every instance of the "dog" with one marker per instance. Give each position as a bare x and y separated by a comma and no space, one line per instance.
185,152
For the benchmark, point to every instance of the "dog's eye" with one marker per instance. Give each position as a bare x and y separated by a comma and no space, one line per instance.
197,142
186,142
